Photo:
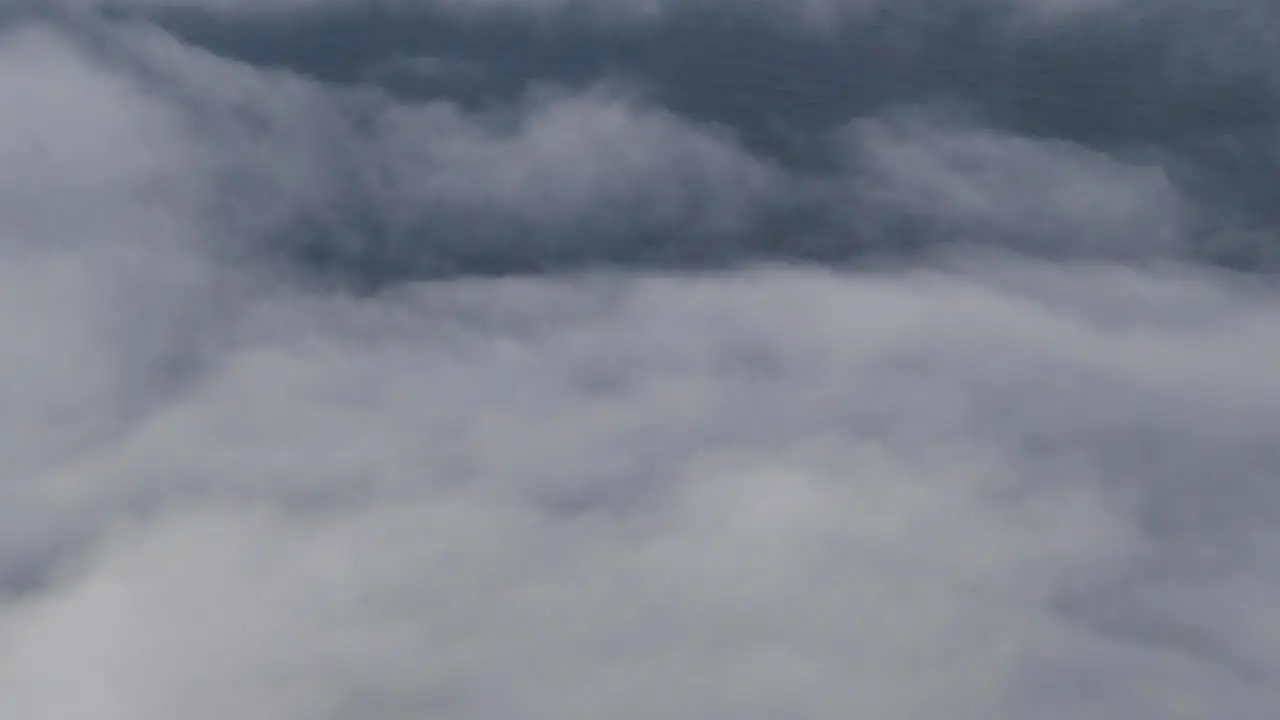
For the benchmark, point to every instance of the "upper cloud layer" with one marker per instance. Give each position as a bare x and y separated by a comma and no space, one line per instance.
917,177
1176,103
385,187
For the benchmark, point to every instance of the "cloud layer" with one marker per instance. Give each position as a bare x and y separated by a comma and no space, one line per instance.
434,386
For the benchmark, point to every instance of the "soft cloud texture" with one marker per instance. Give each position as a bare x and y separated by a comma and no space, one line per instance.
669,495
1044,196
627,418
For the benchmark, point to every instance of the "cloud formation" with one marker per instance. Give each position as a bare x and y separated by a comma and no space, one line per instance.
566,397
983,186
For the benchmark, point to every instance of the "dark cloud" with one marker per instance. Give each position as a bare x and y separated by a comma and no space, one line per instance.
404,359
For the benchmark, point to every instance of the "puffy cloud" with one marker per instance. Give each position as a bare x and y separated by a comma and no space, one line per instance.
905,494
96,200
933,178
561,178
592,166
970,485
558,175
114,170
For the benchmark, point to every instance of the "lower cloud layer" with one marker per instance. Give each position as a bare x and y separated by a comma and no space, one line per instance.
973,492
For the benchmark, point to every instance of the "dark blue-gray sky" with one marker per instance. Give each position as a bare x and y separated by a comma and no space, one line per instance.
639,358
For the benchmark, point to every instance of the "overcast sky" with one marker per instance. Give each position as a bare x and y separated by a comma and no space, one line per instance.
633,359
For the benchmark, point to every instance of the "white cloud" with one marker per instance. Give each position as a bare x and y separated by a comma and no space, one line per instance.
96,203
596,173
979,185
986,487
596,164
585,172
777,491
112,169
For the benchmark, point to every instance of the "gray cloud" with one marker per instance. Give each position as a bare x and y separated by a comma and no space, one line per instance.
951,420
976,185
563,178
626,496
1176,89
589,166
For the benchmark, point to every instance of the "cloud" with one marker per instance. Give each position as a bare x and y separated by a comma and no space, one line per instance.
566,178
972,184
558,176
95,200
1031,476
596,166
115,172
621,497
